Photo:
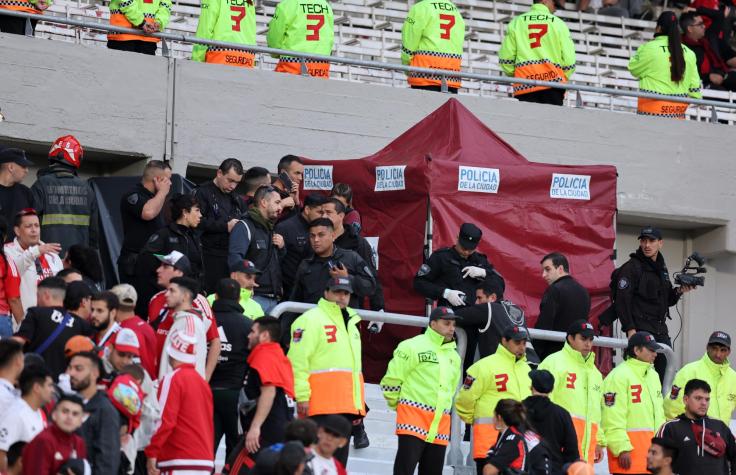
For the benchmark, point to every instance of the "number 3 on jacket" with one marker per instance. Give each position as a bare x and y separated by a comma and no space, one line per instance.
331,333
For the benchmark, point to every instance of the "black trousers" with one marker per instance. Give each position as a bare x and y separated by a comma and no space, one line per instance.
660,363
134,46
545,96
412,451
15,26
226,417
215,268
451,90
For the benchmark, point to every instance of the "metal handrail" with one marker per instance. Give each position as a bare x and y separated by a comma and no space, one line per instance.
455,456
444,74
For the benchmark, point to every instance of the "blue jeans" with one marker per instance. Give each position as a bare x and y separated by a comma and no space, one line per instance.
6,326
266,303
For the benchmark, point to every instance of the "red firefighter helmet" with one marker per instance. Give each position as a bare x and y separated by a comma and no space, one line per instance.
67,150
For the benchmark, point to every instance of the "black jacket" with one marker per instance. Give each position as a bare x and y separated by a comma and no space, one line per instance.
699,440
314,272
251,240
101,434
173,237
66,206
554,424
564,301
217,209
295,231
231,366
443,271
644,294
353,241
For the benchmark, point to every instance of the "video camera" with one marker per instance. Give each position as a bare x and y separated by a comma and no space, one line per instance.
689,274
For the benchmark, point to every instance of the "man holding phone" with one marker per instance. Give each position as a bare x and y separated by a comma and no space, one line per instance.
291,173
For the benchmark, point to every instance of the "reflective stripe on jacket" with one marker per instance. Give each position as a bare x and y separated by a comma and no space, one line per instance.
579,389
27,6
231,21
325,355
651,66
132,13
420,384
537,46
487,381
722,381
432,37
305,26
632,412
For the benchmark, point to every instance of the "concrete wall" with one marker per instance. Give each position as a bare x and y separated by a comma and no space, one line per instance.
124,107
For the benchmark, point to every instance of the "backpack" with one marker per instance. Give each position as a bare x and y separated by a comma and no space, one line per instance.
536,457
609,315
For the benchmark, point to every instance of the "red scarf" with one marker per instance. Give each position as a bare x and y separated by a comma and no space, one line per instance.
711,59
273,366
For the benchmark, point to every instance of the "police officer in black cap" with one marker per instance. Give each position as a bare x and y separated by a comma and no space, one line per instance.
14,195
644,292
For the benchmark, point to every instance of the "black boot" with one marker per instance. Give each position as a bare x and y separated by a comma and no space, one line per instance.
360,438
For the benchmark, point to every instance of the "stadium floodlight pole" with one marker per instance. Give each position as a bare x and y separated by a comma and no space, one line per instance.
445,74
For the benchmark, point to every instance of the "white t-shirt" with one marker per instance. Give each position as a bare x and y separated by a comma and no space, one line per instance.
25,261
8,395
21,424
181,320
322,466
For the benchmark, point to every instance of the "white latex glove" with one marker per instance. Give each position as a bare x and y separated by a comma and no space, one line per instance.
474,272
455,297
375,327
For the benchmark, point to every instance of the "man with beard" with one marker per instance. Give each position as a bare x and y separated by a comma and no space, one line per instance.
253,238
101,428
102,317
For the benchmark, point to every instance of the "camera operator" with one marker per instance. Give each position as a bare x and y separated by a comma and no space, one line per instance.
644,292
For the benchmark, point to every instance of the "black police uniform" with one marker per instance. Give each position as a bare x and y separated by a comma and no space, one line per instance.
564,301
217,209
136,230
353,241
229,374
443,271
252,239
644,294
13,199
314,273
706,446
174,237
295,231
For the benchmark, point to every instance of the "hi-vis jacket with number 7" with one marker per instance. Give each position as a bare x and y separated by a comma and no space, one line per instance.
420,383
487,381
132,14
432,37
232,21
632,413
325,356
537,46
306,26
579,389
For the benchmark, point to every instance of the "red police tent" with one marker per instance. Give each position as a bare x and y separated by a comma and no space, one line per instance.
451,163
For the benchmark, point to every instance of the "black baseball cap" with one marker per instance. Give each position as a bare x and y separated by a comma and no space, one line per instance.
650,232
720,338
445,313
667,443
177,260
245,266
340,283
516,333
338,425
14,155
542,380
470,236
642,338
581,327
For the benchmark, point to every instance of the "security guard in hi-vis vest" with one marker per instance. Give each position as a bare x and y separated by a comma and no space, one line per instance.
432,37
538,46
17,26
231,21
305,26
150,16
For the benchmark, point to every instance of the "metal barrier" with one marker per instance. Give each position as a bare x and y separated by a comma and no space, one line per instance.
304,57
455,455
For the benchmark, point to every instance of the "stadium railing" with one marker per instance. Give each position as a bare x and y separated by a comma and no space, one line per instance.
727,109
455,457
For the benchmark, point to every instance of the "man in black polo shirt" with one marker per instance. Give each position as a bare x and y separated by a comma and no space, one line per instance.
228,376
14,195
269,386
47,327
140,210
